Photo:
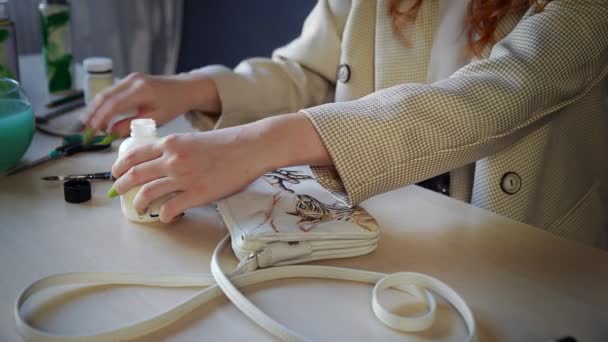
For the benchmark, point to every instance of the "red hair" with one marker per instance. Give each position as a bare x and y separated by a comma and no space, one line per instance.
482,18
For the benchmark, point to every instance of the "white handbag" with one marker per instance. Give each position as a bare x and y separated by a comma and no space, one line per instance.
288,218
283,218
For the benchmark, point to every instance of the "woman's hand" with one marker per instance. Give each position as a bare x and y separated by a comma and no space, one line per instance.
161,98
203,167
198,167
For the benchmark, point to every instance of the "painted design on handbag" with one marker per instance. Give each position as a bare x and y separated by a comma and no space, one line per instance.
310,210
279,177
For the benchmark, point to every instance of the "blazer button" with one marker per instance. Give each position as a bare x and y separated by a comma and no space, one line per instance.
343,73
510,183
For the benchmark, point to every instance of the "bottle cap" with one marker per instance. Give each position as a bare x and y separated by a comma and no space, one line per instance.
77,190
98,65
143,128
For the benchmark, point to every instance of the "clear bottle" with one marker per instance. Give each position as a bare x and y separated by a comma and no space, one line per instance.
9,63
56,45
143,132
98,76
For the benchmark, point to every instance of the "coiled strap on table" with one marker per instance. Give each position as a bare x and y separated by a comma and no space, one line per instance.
413,283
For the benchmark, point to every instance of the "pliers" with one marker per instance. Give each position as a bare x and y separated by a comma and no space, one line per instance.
72,145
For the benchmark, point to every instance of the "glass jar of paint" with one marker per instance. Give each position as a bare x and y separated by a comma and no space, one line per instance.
55,17
98,77
9,61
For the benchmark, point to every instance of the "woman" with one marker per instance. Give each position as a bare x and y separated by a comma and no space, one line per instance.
504,95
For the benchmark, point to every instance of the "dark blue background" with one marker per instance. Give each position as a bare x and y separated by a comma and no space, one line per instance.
227,31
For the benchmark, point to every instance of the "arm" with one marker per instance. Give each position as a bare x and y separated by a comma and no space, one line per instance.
396,136
299,75
411,132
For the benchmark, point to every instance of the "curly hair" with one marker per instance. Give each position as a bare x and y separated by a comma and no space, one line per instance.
482,18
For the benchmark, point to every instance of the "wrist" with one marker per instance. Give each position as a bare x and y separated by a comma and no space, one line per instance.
287,140
203,92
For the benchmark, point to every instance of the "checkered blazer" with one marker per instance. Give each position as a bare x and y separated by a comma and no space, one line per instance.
520,129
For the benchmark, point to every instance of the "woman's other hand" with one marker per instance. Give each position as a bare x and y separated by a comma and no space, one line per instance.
200,168
161,98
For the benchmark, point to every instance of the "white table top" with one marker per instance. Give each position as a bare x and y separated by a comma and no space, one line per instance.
523,284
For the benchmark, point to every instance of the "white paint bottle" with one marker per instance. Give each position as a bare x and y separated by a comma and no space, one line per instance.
143,132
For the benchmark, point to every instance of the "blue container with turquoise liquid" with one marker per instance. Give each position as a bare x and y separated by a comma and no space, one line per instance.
17,124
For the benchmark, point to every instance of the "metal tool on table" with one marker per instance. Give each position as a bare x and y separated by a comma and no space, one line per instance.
64,109
72,145
90,176
62,106
75,96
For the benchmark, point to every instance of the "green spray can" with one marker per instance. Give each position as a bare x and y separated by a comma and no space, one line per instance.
9,63
56,44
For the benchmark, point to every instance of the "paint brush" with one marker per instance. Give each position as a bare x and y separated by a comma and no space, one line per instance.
68,108
92,176
74,96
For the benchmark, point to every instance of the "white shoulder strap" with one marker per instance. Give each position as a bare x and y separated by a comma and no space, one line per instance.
414,283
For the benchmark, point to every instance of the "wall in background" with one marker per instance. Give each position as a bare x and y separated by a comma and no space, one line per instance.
25,15
139,35
223,32
227,31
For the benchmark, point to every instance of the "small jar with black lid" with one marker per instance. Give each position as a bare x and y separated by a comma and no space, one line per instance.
98,76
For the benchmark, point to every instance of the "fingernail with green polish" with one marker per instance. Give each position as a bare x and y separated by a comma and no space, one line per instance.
108,139
88,135
112,193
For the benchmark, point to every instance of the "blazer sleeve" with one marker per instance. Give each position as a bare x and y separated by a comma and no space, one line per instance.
299,75
411,132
